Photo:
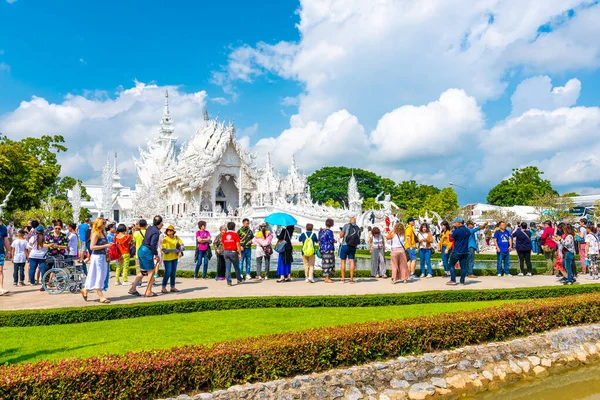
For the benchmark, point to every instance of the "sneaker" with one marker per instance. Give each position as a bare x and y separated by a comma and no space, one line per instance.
429,276
529,274
307,280
451,283
521,274
248,277
16,284
266,278
509,275
22,284
126,283
118,283
500,275
311,280
3,292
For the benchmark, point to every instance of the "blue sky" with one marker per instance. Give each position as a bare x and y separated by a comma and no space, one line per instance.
462,92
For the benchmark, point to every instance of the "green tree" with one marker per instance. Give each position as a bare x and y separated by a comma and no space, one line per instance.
521,188
571,194
369,204
50,208
552,206
444,203
332,203
30,168
332,183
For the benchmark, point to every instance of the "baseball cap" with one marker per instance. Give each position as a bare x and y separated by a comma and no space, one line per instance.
40,229
411,219
460,220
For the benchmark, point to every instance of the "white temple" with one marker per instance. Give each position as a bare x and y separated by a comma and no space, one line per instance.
210,177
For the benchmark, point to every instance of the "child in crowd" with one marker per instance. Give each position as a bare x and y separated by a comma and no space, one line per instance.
19,256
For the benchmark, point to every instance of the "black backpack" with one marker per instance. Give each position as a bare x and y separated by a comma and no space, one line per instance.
353,238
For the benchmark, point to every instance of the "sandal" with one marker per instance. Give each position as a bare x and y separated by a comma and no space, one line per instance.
164,290
151,295
136,293
105,301
84,295
173,290
280,280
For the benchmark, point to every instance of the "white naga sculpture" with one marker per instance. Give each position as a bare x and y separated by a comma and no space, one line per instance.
388,206
5,202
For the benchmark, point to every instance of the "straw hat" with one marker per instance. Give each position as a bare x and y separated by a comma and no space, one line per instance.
170,228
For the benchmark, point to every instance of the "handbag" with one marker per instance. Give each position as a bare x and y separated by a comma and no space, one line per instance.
318,253
268,250
209,253
280,246
113,252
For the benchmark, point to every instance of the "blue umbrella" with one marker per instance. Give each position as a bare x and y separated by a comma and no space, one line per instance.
281,219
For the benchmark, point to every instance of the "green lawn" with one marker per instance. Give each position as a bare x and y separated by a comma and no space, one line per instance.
119,336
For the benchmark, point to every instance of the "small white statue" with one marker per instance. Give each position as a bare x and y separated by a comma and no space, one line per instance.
5,202
387,203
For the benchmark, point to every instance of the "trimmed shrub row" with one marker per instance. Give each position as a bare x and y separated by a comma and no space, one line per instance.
56,316
163,373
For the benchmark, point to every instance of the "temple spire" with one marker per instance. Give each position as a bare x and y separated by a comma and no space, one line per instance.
166,123
206,116
115,170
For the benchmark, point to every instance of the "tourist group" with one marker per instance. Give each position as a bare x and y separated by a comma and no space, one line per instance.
153,246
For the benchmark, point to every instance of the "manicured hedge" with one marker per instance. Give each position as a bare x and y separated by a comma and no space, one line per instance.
163,373
72,315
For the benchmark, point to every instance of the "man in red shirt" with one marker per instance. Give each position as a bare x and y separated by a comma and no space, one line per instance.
233,250
549,246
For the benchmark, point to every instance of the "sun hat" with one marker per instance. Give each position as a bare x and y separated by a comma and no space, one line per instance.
170,228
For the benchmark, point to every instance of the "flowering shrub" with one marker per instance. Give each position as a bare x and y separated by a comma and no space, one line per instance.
72,315
173,371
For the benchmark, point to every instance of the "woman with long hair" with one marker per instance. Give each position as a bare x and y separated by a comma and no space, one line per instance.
98,267
425,239
37,254
284,264
445,244
400,271
377,250
262,240
566,245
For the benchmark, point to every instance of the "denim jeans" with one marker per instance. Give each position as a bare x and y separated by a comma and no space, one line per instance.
246,257
202,257
19,273
170,272
568,258
470,261
445,258
503,257
425,258
232,258
33,264
462,260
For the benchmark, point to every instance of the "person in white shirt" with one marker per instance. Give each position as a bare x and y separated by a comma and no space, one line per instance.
73,240
19,256
591,250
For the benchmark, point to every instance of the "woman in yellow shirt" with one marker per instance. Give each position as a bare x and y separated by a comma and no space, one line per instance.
445,244
172,248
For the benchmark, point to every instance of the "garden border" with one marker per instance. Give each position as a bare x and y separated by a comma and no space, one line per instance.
70,315
160,373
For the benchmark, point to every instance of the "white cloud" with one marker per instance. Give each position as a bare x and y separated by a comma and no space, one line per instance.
538,93
249,130
369,56
4,66
289,101
96,124
340,140
219,100
440,127
11,1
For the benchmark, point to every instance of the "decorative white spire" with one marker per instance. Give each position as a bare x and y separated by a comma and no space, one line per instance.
206,116
166,123
354,199
76,202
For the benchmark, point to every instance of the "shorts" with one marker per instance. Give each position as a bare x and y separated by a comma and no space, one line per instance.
146,259
347,252
412,254
2,259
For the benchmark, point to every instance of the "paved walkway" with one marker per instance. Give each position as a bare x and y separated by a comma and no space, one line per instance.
29,297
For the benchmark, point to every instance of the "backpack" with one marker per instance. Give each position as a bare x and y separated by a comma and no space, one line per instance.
308,248
353,238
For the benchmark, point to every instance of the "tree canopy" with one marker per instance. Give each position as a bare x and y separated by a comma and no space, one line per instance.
329,185
30,167
522,188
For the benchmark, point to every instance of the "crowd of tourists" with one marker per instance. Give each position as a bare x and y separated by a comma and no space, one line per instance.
34,249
